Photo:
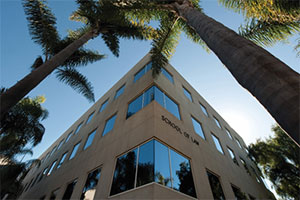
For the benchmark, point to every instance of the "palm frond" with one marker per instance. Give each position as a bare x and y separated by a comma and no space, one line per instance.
38,62
83,57
77,81
112,42
41,23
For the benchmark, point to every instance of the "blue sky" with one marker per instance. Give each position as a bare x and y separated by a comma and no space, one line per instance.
202,70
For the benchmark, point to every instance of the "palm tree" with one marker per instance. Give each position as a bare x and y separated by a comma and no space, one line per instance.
274,84
101,18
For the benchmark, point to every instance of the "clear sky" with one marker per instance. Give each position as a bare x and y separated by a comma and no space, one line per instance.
202,70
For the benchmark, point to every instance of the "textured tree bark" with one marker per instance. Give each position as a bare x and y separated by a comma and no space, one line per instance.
274,84
14,94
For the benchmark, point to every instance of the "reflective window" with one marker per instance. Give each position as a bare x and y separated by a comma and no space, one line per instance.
78,128
203,109
182,178
53,150
124,173
245,166
68,137
187,94
217,143
89,189
54,194
103,106
215,186
90,139
62,160
149,95
143,71
60,144
43,174
167,74
217,122
90,118
74,151
51,168
228,133
239,195
238,142
254,172
70,188
47,156
109,125
198,128
119,91
154,161
232,156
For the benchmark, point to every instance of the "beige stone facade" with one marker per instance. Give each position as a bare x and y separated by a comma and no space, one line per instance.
152,121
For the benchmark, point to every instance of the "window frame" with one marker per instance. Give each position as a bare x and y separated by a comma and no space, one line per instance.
201,127
92,132
214,136
190,94
120,88
77,149
105,105
78,128
113,115
90,117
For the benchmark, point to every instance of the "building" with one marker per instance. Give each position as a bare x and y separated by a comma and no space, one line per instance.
147,138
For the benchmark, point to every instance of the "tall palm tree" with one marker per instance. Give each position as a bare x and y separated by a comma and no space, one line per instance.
274,84
101,18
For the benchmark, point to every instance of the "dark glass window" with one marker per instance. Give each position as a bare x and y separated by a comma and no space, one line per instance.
203,109
217,122
89,189
54,194
232,156
124,173
90,118
151,94
217,143
228,133
74,151
119,91
103,106
182,178
62,160
68,137
90,139
43,174
215,186
109,125
162,164
29,185
239,195
143,71
198,128
238,142
254,172
78,128
37,177
70,188
51,168
167,74
145,172
187,94
245,166
60,144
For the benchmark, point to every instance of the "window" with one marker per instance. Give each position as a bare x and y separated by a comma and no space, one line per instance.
89,189
232,156
187,94
60,144
28,185
34,181
203,109
68,137
148,96
109,125
53,150
143,71
238,194
198,128
228,133
69,190
155,163
167,75
62,160
245,166
54,194
43,174
51,168
74,151
254,172
238,142
78,128
119,91
217,143
217,122
215,186
103,106
47,156
90,139
90,118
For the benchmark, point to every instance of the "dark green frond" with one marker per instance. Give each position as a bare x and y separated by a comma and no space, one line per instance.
76,34
77,81
267,33
112,42
297,47
41,23
38,62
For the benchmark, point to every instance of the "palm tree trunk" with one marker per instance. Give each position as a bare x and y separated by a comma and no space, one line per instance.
274,84
14,94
